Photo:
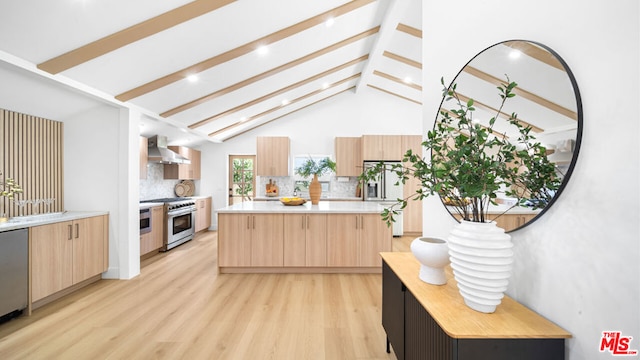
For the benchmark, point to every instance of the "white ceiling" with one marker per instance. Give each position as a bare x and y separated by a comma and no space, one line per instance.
140,54
243,88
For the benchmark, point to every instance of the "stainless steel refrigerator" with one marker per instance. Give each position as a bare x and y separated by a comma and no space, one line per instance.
384,190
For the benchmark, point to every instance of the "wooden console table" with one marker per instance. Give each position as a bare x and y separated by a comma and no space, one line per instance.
424,321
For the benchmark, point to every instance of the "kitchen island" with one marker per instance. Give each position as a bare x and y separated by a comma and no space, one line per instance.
331,237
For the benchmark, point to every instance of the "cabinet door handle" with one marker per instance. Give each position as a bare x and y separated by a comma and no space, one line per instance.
308,218
248,221
77,231
356,221
303,222
253,220
70,227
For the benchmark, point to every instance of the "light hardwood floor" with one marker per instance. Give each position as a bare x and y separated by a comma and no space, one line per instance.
181,308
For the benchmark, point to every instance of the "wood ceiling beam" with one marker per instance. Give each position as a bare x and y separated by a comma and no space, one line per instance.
289,113
131,34
268,73
397,80
523,93
402,59
409,30
278,92
267,112
394,94
241,50
536,53
488,108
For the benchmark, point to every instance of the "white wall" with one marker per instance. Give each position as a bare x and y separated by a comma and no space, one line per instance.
312,131
101,174
578,265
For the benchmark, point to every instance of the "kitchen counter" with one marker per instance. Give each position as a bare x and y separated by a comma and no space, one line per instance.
22,222
324,207
150,205
330,198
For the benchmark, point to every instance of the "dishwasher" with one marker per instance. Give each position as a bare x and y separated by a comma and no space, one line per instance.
14,273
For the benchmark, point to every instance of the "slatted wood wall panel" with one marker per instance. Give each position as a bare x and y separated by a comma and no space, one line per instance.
32,153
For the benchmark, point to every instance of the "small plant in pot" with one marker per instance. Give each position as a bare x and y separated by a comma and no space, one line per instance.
8,189
469,165
315,168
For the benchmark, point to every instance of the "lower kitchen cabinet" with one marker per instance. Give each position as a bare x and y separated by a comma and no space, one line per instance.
250,240
302,242
153,240
305,240
203,214
356,240
67,253
424,321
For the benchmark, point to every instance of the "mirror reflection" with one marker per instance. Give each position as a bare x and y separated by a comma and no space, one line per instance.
547,99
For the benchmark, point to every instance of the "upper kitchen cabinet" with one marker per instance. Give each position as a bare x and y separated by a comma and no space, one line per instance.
348,156
272,156
382,147
144,154
184,171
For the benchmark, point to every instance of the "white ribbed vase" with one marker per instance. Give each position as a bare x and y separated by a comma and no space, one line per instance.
433,255
481,258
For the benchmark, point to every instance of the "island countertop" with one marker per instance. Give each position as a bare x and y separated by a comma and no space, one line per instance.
323,207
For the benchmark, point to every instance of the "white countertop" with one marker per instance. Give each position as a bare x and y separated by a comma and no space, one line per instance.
43,219
324,207
150,205
331,198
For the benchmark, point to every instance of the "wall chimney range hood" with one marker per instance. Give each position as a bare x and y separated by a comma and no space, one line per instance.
159,153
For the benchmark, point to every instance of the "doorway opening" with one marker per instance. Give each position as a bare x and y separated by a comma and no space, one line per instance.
242,180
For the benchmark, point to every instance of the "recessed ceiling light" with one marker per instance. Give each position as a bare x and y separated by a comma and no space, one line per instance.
407,80
192,78
243,119
330,21
514,54
325,85
262,50
285,102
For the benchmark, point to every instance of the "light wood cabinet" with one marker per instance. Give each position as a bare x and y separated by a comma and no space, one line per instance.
66,253
250,240
153,240
184,171
203,214
382,147
272,156
144,155
348,156
356,239
305,240
412,214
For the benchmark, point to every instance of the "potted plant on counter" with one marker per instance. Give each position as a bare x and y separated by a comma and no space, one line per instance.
9,187
470,164
316,168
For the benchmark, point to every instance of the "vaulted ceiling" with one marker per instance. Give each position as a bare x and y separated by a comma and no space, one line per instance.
218,68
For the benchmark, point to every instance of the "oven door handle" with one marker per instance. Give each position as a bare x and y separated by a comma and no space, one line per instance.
181,212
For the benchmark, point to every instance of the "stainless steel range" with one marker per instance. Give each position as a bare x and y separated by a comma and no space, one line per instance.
179,215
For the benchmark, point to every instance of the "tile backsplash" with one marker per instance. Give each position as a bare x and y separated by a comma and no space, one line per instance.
286,185
155,186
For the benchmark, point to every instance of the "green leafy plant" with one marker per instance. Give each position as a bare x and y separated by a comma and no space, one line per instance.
470,163
9,188
319,168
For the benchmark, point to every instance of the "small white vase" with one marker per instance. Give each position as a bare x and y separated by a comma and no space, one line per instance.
433,255
481,259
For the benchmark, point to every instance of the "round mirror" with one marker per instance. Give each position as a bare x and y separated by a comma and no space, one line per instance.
546,99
